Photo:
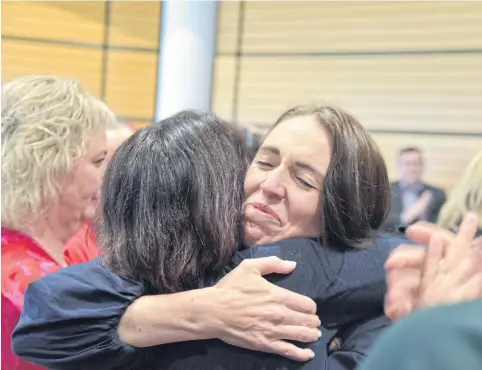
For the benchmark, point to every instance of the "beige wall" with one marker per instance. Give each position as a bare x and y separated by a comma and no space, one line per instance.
115,57
400,67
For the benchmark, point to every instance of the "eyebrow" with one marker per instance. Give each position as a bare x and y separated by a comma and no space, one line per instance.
271,149
302,165
307,167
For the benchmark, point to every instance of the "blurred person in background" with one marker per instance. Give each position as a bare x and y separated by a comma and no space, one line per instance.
53,153
83,245
413,200
300,187
406,263
465,197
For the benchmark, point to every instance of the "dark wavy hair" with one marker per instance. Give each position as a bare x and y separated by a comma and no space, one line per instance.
171,202
356,190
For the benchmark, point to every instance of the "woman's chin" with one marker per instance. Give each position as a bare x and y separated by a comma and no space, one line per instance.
255,235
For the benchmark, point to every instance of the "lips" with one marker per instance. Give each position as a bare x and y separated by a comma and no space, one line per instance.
266,209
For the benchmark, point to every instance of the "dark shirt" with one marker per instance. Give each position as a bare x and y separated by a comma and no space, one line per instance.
70,317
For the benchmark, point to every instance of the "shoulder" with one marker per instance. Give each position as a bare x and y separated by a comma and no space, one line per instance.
287,248
386,242
395,185
89,275
434,189
378,251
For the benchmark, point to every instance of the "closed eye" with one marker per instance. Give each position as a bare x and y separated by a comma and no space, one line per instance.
305,183
99,162
264,164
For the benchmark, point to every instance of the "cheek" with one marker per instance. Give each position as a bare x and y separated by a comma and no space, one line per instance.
252,181
88,181
306,211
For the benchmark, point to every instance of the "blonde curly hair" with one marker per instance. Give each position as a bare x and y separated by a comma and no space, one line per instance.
46,121
465,197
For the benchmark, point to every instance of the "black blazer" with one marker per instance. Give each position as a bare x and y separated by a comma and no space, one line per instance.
70,317
393,219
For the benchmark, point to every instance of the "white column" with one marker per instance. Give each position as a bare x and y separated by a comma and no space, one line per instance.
187,51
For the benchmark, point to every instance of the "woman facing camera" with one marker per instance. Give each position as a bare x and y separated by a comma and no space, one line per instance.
173,212
53,150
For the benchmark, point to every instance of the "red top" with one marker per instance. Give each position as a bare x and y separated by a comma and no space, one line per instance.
23,261
82,247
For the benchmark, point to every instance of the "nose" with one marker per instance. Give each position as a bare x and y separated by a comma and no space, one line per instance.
272,186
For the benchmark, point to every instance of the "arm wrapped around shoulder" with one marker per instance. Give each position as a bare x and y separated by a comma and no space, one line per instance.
69,320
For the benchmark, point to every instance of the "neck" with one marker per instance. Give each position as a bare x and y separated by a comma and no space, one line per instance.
52,233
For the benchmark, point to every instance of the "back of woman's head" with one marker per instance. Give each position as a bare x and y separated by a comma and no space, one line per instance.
46,122
465,197
356,188
171,202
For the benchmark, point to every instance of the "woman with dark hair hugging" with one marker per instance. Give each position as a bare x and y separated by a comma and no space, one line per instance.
173,216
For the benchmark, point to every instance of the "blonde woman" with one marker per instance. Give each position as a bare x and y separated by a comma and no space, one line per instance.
465,197
53,152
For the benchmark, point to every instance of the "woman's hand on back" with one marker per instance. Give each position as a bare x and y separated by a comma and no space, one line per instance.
247,311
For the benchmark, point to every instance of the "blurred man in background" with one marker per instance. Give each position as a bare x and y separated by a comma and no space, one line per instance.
413,200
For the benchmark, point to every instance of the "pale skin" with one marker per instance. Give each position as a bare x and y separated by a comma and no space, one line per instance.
286,176
448,271
79,191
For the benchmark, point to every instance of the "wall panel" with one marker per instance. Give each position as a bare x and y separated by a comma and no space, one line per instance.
135,24
223,88
428,92
314,26
111,47
130,87
21,58
445,156
228,26
71,21
400,67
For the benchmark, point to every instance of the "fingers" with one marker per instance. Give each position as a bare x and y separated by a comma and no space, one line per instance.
290,351
472,289
296,318
269,265
297,302
406,256
467,231
477,243
297,333
403,286
435,256
421,232
395,310
404,282
463,240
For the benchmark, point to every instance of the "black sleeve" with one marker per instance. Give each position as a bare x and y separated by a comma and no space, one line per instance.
69,320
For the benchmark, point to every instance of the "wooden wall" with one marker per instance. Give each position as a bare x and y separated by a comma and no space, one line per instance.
410,71
111,47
